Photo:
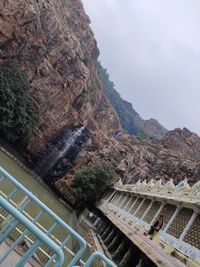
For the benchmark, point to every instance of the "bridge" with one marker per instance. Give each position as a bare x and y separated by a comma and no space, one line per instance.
132,209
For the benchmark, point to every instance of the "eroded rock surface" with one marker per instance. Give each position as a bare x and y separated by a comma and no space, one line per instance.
54,44
135,159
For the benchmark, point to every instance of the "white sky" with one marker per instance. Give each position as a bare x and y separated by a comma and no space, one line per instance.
151,49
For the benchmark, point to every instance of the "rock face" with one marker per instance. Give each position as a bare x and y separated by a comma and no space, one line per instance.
135,159
152,128
53,42
184,141
152,160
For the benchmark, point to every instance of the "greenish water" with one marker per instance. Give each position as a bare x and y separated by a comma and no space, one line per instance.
42,193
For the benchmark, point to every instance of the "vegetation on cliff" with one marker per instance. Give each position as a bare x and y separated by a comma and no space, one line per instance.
16,113
90,183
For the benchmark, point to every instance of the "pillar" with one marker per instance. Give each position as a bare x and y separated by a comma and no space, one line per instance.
115,242
147,210
110,237
118,196
139,207
111,196
106,232
126,258
133,204
120,250
114,198
189,224
172,219
128,202
103,228
157,213
123,202
106,194
119,199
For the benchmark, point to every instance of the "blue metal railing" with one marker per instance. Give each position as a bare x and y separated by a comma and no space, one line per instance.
17,216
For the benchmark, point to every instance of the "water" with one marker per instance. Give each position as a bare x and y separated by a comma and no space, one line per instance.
43,193
61,148
68,143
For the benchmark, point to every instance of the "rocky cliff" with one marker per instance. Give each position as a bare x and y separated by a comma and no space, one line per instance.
152,128
54,44
184,141
134,159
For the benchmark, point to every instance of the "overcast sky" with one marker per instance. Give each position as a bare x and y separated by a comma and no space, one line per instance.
151,49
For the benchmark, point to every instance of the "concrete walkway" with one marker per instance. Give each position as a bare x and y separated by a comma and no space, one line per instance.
150,248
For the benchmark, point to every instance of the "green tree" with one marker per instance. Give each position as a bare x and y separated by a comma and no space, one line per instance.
90,183
17,115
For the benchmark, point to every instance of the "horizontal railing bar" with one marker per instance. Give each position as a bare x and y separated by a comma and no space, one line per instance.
81,241
41,236
44,229
43,206
29,239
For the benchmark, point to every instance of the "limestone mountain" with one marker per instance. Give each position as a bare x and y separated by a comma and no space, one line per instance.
130,120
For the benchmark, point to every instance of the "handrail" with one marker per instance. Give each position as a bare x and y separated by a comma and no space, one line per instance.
41,227
40,235
17,216
81,241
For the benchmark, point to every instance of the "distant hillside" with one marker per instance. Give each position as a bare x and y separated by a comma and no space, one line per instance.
130,120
